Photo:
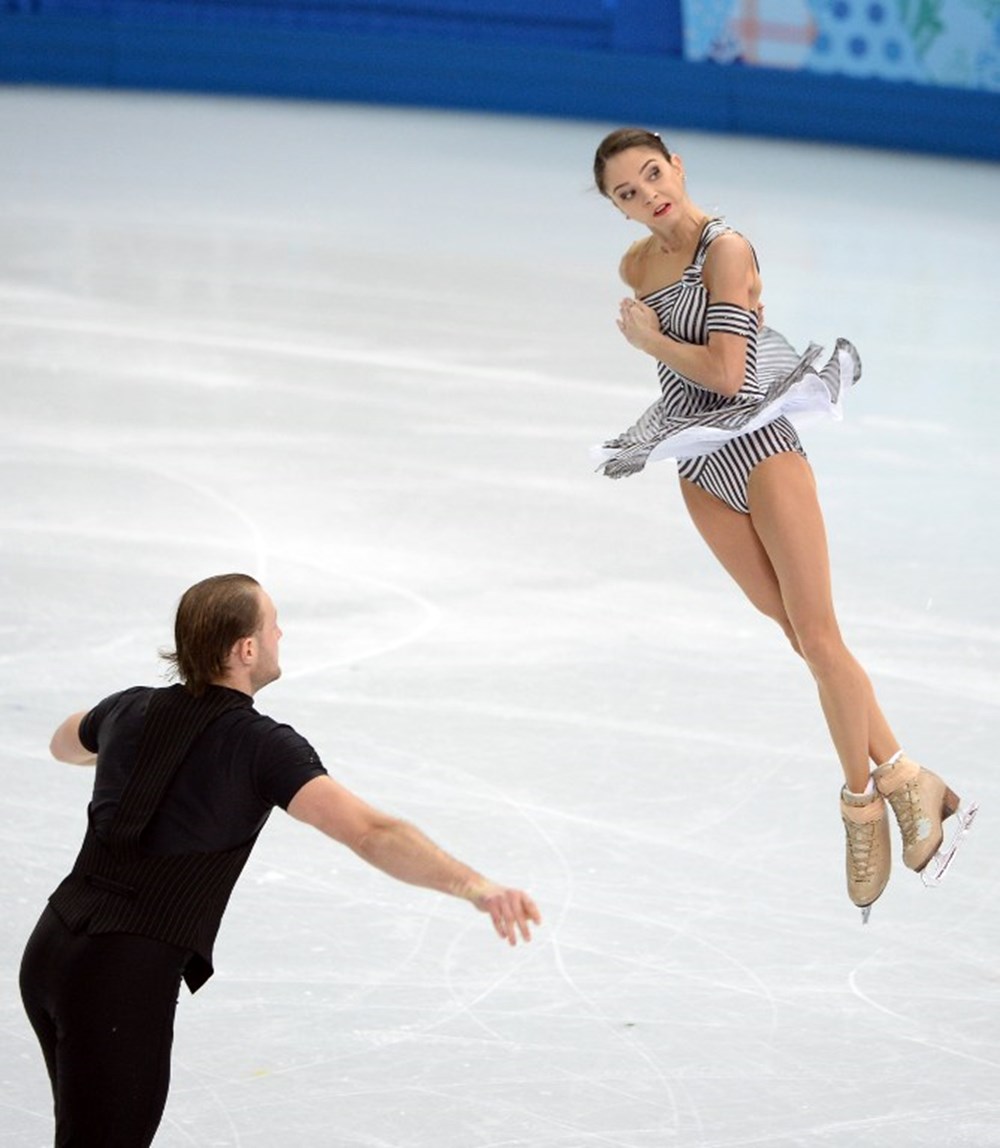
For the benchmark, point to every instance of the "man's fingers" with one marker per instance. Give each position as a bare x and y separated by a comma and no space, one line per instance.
500,923
529,912
514,914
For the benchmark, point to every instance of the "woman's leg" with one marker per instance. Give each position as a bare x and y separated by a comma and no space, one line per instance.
792,586
786,516
778,555
785,513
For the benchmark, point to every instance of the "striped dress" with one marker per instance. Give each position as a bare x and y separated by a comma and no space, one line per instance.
691,423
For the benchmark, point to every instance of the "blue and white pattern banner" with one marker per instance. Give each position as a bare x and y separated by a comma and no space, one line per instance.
954,43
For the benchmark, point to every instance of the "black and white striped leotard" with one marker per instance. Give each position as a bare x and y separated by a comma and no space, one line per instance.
720,439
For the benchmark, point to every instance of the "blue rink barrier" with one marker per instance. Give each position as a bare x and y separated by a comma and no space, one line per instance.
592,59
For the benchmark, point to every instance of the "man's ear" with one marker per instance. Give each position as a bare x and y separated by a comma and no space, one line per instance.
242,652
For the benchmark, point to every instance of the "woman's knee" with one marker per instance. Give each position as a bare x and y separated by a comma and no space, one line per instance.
778,616
793,640
821,646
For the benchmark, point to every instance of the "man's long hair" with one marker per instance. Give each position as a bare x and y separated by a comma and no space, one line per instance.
211,617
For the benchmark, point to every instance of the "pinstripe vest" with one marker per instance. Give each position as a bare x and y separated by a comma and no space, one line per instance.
178,898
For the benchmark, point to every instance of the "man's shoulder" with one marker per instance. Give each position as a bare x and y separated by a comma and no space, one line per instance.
279,756
121,700
249,721
122,705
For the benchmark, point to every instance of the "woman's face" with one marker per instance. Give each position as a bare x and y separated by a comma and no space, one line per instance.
645,185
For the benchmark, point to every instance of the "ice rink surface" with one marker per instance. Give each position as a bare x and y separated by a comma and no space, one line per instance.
362,353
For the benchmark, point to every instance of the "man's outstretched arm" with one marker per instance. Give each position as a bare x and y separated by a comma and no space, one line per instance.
402,851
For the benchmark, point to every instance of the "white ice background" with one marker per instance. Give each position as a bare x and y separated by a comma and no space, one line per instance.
362,354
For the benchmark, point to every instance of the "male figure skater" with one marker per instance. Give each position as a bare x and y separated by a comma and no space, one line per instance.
186,776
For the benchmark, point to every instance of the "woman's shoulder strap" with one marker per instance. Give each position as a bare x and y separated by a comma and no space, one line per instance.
712,230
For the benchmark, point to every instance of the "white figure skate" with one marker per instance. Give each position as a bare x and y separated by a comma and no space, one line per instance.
869,856
922,803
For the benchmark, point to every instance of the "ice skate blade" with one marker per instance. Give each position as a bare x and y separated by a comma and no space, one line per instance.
935,870
866,912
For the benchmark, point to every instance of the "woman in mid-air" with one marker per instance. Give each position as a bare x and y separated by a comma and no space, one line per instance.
729,385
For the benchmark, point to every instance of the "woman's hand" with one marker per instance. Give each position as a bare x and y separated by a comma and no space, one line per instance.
639,324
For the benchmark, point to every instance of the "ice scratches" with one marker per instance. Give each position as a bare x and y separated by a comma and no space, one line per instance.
97,457
904,1022
428,618
610,1026
218,1106
350,994
296,348
721,737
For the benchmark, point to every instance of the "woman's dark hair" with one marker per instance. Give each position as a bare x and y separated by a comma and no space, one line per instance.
621,140
211,616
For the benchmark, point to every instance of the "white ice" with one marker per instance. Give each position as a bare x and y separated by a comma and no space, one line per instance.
362,353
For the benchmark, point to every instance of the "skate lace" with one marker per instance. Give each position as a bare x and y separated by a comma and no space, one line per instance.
860,839
906,805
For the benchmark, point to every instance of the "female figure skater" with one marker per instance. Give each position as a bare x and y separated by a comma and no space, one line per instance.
728,385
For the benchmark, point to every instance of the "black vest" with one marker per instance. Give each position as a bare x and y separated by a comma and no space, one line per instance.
178,898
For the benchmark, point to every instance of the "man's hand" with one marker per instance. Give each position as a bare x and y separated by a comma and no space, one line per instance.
511,910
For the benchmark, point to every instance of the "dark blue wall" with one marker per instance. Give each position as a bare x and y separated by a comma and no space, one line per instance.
614,60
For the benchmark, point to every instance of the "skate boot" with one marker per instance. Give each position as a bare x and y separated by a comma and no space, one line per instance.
922,802
869,857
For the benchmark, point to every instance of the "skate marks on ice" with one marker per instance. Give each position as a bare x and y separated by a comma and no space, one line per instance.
390,427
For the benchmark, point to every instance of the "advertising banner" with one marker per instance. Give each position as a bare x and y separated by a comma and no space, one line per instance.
953,43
